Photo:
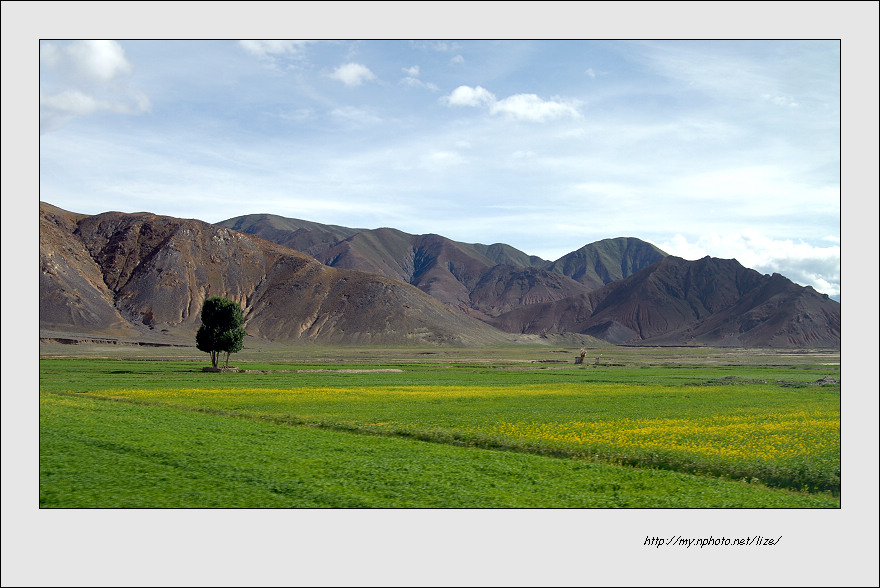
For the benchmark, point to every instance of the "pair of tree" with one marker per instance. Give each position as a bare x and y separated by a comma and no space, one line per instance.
221,330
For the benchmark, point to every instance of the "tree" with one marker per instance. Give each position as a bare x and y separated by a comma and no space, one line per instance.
221,329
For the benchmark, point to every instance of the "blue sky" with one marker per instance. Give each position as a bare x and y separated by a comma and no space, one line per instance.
721,148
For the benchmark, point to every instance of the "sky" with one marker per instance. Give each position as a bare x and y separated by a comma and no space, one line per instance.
722,148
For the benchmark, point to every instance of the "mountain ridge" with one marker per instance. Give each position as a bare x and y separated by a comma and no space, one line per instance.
467,274
136,275
709,301
144,276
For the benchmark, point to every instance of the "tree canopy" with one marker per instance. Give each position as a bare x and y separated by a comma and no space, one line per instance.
221,329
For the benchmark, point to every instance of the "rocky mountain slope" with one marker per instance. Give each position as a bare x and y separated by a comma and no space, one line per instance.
135,275
606,261
484,280
73,294
709,301
306,236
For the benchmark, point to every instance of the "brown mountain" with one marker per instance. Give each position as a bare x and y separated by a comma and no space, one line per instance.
613,289
503,288
143,275
705,302
455,273
506,255
443,268
73,294
484,280
606,261
306,236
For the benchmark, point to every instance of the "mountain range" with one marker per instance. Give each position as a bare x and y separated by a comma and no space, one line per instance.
143,277
483,280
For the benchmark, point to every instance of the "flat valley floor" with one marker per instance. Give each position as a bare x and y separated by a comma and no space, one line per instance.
514,427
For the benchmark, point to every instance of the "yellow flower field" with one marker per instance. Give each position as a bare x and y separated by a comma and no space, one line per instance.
767,437
740,431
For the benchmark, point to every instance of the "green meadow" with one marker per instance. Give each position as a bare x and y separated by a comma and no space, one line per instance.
519,427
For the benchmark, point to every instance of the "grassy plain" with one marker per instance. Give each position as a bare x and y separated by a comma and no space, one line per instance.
371,427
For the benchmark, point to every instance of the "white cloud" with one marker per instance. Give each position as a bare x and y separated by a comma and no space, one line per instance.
76,103
84,77
439,46
457,59
413,80
467,96
274,53
86,61
99,60
530,107
802,263
72,102
527,107
352,74
265,48
417,83
681,247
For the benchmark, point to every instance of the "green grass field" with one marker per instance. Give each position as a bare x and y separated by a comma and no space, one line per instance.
518,427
